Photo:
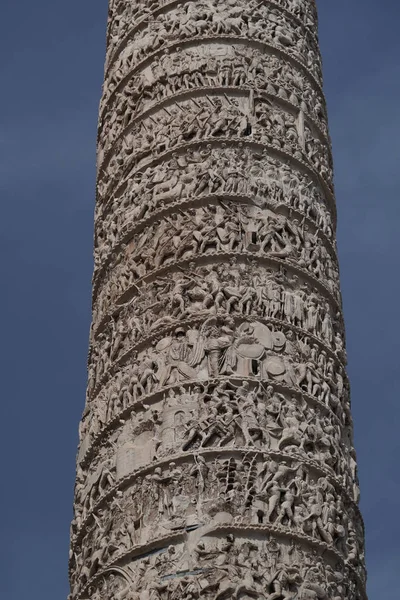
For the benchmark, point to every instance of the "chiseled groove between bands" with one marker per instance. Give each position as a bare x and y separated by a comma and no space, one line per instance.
169,5
195,41
154,397
206,90
181,457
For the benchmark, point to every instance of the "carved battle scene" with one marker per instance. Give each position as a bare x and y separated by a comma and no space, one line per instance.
235,489
216,455
178,22
209,66
258,179
214,117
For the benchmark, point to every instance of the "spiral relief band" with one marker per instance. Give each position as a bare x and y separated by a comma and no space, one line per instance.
216,456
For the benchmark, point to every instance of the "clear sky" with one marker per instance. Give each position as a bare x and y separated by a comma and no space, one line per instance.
51,54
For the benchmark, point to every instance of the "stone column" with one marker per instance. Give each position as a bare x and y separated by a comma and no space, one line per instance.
216,455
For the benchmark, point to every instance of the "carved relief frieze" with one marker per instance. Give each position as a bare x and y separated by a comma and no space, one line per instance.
279,567
207,66
216,457
189,20
223,413
212,117
128,19
238,488
189,235
247,289
257,178
222,346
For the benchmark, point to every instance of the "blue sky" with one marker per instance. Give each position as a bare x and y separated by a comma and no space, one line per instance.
51,54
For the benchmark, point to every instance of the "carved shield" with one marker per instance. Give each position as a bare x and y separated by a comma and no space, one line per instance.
164,344
186,370
274,366
279,340
252,351
263,335
197,236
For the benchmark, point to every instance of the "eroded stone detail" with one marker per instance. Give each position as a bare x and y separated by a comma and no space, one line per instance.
216,455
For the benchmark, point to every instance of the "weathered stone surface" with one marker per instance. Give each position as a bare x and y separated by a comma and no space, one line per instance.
216,453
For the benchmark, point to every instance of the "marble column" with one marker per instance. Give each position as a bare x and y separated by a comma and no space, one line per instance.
216,456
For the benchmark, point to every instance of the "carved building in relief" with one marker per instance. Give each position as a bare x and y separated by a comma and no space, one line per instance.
216,453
